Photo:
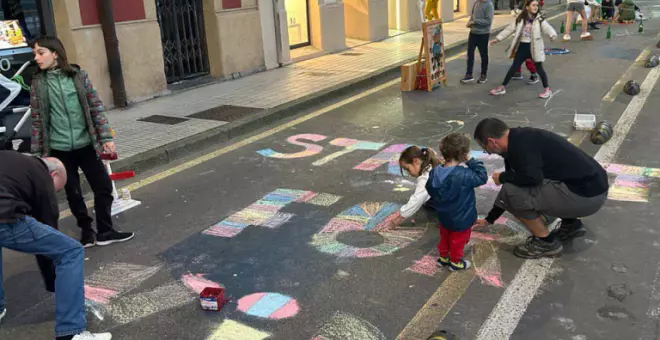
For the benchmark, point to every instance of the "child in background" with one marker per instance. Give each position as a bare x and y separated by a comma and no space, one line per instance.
417,162
451,188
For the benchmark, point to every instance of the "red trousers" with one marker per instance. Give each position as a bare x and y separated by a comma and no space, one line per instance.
530,66
452,243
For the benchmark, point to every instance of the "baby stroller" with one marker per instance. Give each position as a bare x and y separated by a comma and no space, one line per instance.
15,113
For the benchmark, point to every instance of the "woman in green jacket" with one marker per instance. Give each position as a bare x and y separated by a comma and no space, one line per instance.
69,123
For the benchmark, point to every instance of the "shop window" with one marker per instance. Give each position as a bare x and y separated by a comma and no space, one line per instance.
297,15
457,6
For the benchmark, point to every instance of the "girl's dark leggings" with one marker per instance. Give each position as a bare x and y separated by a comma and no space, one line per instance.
524,52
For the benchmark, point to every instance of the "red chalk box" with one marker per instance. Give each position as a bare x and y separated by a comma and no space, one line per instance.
212,298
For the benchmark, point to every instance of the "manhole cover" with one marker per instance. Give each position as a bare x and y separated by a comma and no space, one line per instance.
225,113
361,238
158,119
351,54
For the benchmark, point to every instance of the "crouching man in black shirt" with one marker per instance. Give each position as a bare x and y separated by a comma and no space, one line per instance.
28,218
544,175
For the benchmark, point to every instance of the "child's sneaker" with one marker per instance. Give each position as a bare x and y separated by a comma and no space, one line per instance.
468,79
586,36
518,76
533,79
442,261
483,79
460,265
498,91
547,93
566,38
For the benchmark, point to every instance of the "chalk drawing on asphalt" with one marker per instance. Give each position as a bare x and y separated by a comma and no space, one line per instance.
197,282
310,149
368,216
131,308
630,188
113,279
266,211
272,306
389,156
344,326
349,145
232,330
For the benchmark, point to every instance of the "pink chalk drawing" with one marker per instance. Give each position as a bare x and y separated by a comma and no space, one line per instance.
426,266
266,211
99,295
274,306
483,236
490,273
369,217
389,155
310,149
349,145
197,282
623,169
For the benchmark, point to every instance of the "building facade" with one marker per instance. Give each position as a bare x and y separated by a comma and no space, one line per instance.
168,41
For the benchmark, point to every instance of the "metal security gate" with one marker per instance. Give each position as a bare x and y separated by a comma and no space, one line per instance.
184,43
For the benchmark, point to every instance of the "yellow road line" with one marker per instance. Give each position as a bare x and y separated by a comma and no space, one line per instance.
618,86
167,173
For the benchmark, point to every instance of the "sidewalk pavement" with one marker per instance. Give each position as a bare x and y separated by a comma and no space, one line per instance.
224,110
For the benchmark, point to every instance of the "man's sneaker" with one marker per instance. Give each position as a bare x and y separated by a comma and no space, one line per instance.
460,265
112,236
566,38
536,248
498,91
586,36
90,336
468,79
517,76
483,79
569,229
594,26
442,261
547,93
4,311
88,238
533,79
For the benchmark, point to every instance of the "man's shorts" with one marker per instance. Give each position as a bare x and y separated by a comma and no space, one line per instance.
551,198
575,7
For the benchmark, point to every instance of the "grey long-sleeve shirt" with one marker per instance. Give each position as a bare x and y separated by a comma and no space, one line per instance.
482,17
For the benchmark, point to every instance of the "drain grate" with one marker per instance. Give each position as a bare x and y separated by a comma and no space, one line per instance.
167,120
225,113
351,54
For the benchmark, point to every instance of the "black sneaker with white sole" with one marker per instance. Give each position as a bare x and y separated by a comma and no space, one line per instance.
533,79
517,76
88,238
536,248
113,236
569,229
483,79
468,79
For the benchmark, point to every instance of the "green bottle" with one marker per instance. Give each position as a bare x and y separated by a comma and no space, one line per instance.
641,26
609,31
562,29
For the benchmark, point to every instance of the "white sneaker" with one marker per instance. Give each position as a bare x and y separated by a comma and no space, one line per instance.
566,38
513,12
90,336
3,313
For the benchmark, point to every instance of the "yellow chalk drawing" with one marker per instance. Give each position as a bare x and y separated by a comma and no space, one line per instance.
232,330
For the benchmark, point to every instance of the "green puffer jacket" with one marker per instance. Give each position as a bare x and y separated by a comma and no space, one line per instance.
94,127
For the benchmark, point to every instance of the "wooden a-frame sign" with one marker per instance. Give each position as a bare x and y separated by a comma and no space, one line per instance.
432,52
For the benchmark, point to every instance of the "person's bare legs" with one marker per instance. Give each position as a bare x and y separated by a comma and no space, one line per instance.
569,23
585,20
536,227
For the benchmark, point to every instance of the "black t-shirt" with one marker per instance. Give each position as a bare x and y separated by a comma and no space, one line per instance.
26,189
535,154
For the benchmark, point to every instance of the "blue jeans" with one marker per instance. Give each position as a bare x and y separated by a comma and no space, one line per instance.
30,236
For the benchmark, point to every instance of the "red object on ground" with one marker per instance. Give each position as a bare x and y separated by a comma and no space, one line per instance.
212,298
109,156
122,175
452,243
422,84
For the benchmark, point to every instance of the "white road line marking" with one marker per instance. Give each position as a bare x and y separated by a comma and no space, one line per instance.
504,318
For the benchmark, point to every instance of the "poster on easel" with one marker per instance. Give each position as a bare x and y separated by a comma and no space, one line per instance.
432,52
11,35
